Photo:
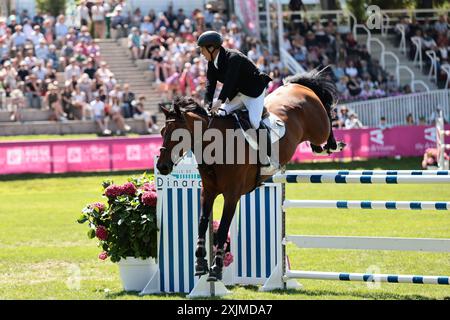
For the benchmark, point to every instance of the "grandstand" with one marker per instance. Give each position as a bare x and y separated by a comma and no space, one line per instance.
152,49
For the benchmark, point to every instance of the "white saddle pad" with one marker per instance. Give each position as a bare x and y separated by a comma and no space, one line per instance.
276,125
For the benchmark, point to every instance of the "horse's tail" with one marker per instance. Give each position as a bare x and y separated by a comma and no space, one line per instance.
322,85
325,88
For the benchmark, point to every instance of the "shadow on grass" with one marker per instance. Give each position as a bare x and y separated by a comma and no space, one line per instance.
376,295
289,294
135,294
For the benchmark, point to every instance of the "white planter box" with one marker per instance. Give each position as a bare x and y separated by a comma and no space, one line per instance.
136,273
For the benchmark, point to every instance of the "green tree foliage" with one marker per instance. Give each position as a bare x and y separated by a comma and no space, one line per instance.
55,7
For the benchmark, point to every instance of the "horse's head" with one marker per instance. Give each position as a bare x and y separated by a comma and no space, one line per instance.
180,116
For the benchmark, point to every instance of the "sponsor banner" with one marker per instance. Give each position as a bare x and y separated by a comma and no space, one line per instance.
109,154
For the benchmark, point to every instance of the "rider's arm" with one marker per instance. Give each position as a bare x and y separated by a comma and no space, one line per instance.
210,87
230,77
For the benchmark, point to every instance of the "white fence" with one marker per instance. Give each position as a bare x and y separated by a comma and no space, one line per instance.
396,109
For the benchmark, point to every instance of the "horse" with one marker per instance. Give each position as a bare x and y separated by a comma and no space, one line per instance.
304,103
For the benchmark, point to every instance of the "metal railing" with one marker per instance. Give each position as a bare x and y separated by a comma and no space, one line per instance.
396,109
290,63
381,44
402,45
385,24
432,75
363,27
397,66
395,15
418,55
408,70
446,69
421,83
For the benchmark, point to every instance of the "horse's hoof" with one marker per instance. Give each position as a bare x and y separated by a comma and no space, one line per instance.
201,267
341,146
215,274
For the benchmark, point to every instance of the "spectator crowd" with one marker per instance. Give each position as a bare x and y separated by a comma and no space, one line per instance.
47,63
434,36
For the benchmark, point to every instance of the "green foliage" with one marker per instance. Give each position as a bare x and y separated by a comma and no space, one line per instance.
129,224
55,7
357,7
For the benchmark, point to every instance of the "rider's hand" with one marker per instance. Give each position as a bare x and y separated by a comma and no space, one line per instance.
215,106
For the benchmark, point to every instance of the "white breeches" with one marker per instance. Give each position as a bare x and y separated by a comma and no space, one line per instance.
254,106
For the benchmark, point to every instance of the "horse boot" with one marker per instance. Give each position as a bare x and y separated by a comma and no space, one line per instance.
215,273
201,264
263,126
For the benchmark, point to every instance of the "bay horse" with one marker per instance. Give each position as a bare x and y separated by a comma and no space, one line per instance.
304,104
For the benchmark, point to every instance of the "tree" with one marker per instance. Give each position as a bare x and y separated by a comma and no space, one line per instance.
54,7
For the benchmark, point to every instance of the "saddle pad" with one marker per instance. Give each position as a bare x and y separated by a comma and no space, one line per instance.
276,125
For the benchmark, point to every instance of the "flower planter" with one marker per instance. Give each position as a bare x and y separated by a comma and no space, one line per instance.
136,273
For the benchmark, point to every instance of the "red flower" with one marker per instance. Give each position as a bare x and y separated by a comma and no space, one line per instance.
227,259
103,255
129,189
149,198
149,186
101,233
113,191
100,206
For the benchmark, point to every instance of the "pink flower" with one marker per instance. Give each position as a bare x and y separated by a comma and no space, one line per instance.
100,206
101,233
150,198
103,255
149,186
129,189
113,191
227,259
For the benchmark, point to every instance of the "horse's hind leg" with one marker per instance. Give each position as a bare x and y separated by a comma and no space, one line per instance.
332,145
201,264
229,208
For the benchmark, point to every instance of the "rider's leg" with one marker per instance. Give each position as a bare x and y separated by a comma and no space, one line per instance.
231,106
255,108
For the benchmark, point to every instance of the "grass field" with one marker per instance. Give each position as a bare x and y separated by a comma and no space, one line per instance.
43,249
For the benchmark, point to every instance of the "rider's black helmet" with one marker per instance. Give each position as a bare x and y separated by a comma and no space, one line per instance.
210,39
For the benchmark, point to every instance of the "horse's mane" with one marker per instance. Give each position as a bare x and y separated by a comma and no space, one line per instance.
318,81
188,104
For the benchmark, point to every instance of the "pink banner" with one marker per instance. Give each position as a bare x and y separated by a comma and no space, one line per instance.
60,156
110,154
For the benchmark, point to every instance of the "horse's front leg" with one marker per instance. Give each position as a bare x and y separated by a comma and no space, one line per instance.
229,208
201,264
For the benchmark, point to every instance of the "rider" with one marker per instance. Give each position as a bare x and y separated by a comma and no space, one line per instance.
243,83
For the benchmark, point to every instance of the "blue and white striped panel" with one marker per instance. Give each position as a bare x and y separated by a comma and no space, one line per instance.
258,230
177,238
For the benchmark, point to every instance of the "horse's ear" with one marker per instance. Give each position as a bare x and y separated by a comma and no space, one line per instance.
165,110
178,111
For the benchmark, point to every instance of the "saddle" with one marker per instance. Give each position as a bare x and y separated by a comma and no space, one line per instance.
275,130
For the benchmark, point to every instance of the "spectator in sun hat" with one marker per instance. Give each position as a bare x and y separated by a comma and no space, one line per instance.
353,122
36,36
